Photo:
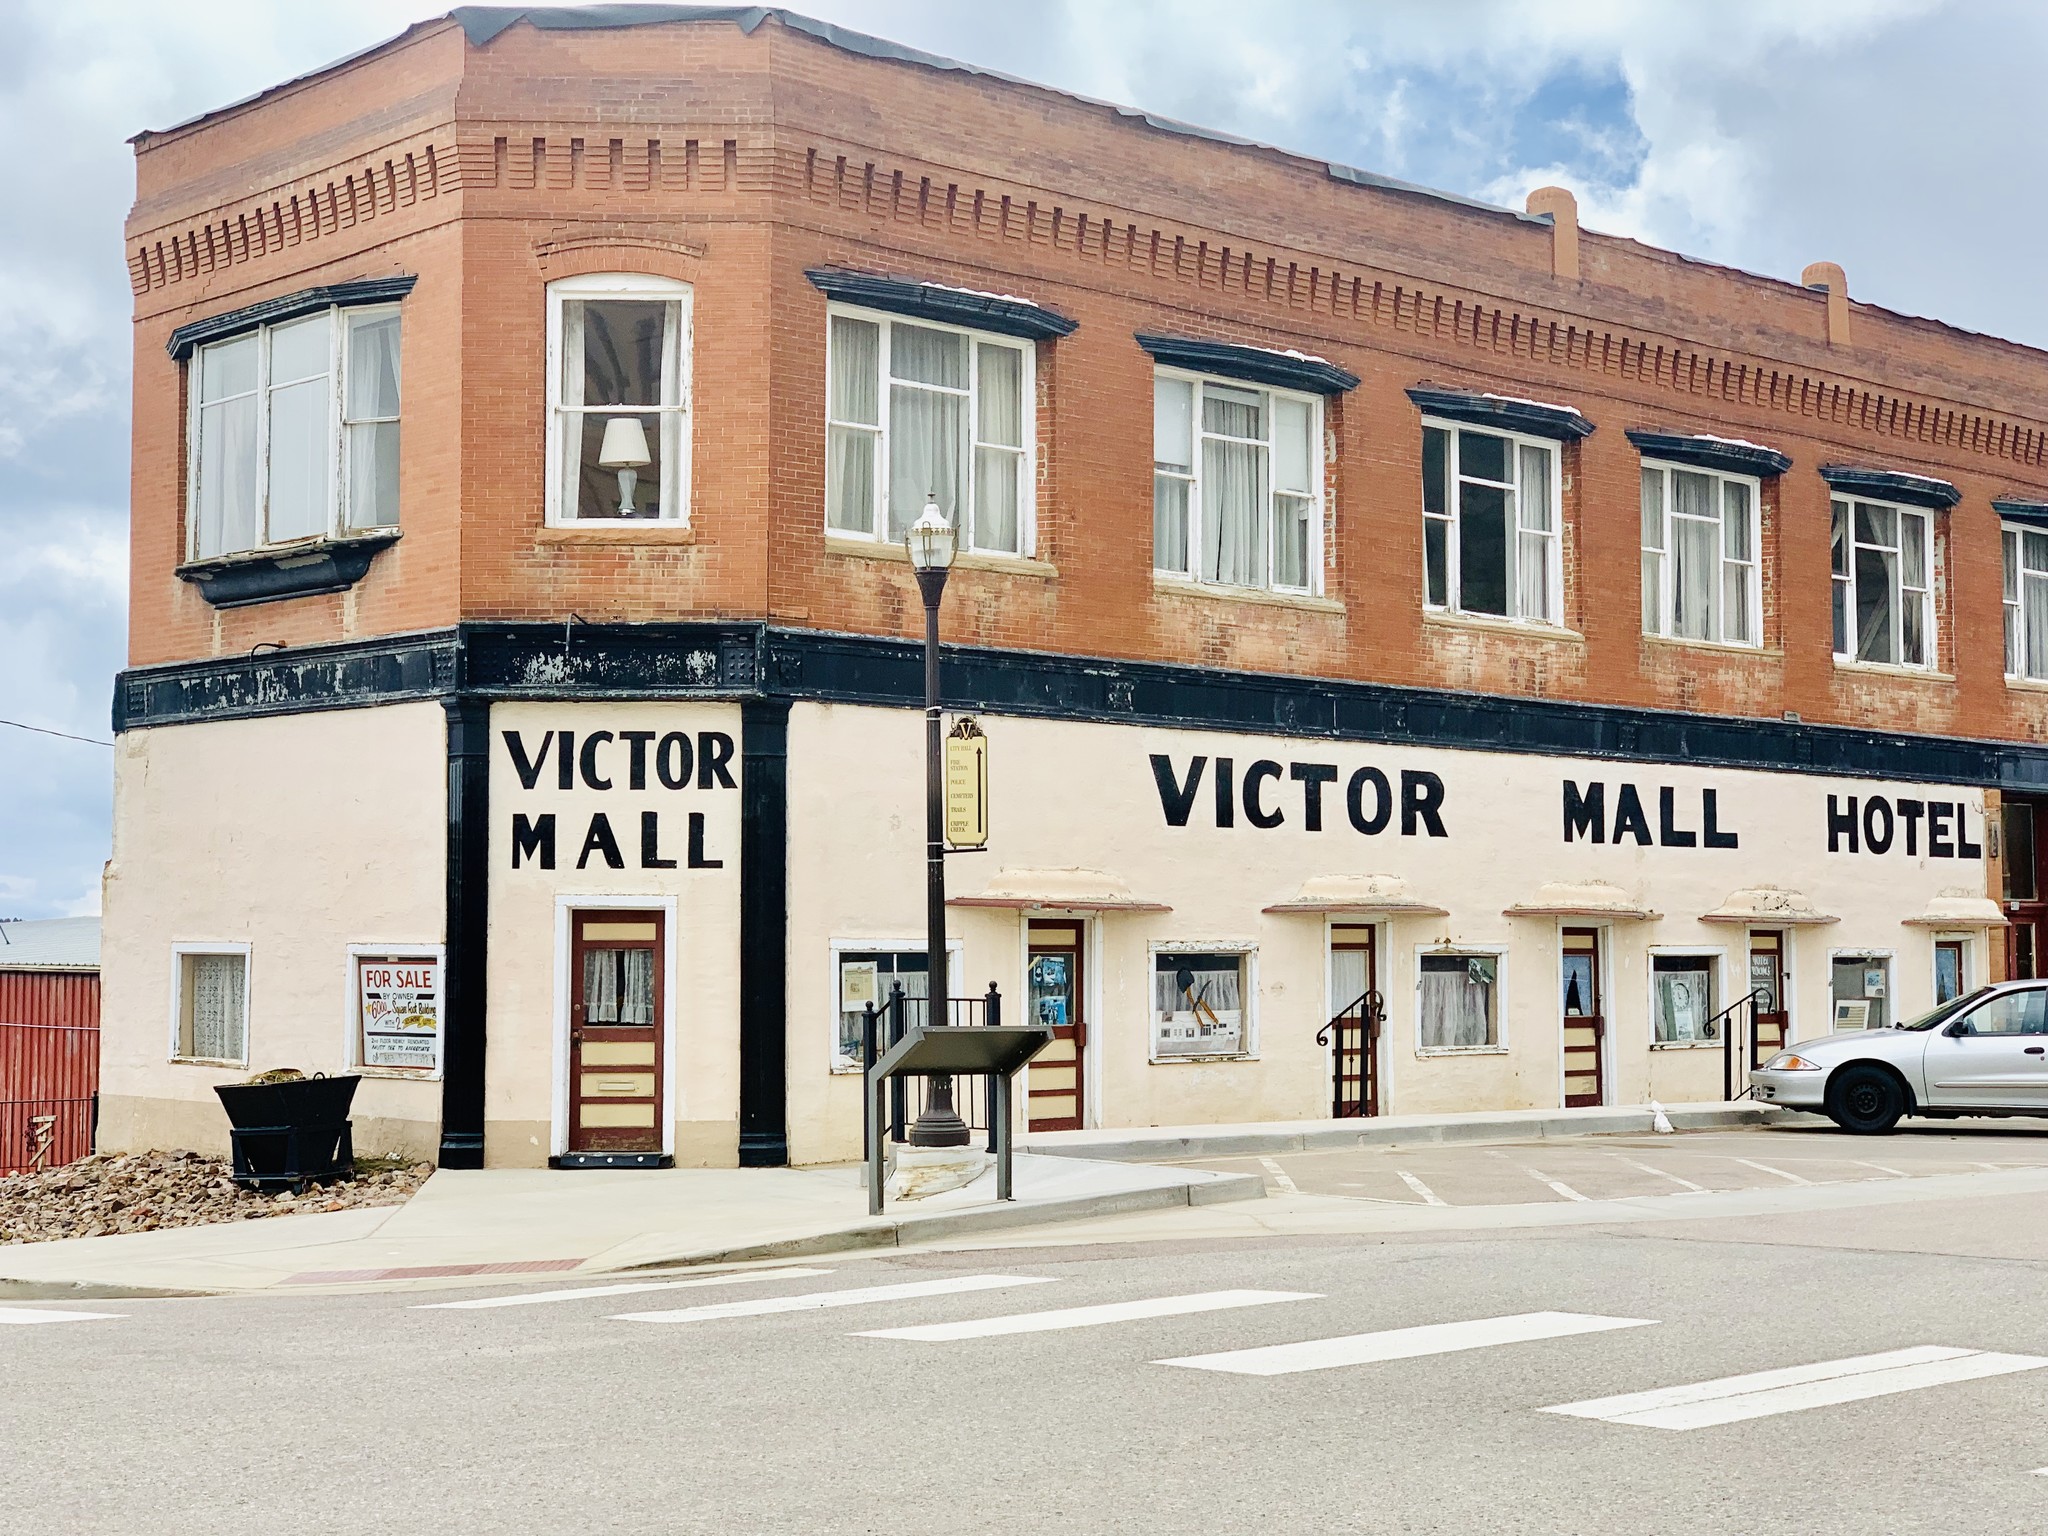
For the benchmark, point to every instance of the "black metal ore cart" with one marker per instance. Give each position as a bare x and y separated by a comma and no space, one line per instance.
290,1134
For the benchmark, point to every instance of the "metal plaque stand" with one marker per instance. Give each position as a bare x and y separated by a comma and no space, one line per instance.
995,1051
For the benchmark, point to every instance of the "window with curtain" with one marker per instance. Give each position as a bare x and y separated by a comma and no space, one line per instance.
1236,483
2026,602
1883,561
1457,999
918,412
1700,578
1490,524
213,1012
1199,1004
866,976
294,432
1682,995
618,399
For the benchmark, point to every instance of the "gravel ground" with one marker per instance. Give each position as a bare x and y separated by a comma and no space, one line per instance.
145,1191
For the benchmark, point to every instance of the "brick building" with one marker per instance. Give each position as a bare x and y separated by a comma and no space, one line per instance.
1550,638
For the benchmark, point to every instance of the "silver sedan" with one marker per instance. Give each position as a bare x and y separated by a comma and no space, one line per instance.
1986,1053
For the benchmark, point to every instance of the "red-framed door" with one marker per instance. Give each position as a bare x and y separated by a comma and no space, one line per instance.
1768,966
617,1000
1584,1004
1055,1098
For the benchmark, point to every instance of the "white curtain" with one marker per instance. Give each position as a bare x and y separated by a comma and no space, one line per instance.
618,986
855,409
1538,535
225,518
1653,551
372,414
2035,600
1456,1001
1696,556
1738,551
1294,491
999,446
298,460
1233,489
1173,468
927,429
1913,585
570,424
217,994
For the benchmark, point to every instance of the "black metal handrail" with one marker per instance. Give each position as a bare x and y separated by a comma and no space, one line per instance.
1726,1018
1366,1012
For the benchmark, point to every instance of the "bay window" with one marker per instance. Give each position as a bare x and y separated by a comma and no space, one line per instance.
1236,483
1490,524
618,399
918,411
1700,578
2026,602
1883,561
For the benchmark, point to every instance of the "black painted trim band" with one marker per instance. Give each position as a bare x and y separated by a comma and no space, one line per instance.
1255,365
1502,413
954,306
368,290
1715,453
300,570
2032,513
1891,485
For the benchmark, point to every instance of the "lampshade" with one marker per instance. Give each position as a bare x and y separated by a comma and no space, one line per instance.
625,445
930,540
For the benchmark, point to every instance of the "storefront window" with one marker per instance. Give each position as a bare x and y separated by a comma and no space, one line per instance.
1862,991
1198,1005
865,977
1683,991
1458,1002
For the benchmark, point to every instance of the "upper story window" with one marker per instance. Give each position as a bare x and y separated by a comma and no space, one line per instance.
921,412
1237,484
294,432
1883,583
618,399
1490,524
1699,556
2026,602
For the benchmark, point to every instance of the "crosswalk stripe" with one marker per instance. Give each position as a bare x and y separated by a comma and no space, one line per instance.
535,1298
1762,1393
29,1316
1090,1317
1404,1343
815,1300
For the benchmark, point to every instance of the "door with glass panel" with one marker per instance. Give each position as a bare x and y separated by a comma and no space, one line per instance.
2020,854
1354,1027
616,997
1585,1019
1056,1079
1767,987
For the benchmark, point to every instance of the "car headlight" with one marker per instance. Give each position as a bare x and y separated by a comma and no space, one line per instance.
1786,1061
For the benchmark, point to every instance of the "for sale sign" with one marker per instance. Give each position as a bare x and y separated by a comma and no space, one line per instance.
400,1009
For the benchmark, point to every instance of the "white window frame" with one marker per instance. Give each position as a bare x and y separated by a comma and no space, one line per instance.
839,1065
1499,955
352,1009
179,952
877,531
674,492
1717,992
1890,957
1666,556
1841,582
341,320
2013,539
1453,518
1248,958
1190,571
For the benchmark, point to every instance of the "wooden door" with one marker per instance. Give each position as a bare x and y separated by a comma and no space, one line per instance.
1056,1078
1949,970
2024,851
1767,977
1585,1019
617,998
1354,997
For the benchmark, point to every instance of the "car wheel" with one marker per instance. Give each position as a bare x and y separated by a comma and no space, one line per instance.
1865,1100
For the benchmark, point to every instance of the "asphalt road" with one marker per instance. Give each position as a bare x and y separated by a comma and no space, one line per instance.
378,1412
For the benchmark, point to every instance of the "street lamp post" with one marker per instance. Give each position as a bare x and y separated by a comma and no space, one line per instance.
931,542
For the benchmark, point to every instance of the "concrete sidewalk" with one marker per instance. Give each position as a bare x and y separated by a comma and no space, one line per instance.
537,1221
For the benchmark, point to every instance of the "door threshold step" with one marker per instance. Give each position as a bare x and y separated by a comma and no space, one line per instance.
612,1160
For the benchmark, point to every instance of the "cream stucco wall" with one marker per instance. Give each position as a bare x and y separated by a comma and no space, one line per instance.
297,836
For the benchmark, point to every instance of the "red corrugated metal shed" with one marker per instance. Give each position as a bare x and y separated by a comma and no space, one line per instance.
49,1041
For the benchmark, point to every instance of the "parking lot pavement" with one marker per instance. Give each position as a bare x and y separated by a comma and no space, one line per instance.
1633,1167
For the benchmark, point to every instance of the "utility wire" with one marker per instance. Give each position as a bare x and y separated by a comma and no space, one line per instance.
44,730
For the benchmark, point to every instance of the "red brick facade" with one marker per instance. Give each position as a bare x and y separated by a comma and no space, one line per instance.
735,161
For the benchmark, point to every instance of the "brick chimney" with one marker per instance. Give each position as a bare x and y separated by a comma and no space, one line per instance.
1563,209
1827,277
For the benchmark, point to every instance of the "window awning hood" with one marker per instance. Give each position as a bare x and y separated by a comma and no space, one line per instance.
1768,906
1061,890
1357,896
1958,909
1583,898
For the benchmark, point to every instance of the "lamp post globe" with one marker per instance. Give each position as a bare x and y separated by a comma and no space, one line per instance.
931,540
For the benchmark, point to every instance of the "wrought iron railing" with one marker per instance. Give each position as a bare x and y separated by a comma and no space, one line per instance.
884,1026
1354,1082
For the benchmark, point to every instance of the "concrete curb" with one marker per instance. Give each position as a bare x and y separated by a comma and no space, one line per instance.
902,1231
1174,1143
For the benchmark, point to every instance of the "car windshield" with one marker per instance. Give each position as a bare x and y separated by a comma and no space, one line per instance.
1946,1011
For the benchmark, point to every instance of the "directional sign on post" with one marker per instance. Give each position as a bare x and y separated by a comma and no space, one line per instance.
967,786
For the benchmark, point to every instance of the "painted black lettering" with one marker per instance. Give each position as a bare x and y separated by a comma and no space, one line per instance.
1629,817
529,772
650,842
599,840
1255,777
565,761
534,840
1910,812
636,764
1176,800
1965,849
1422,796
1383,801
1585,812
1939,845
1877,824
672,760
1312,777
714,751
591,743
1710,821
1669,832
1226,801
697,859
1841,824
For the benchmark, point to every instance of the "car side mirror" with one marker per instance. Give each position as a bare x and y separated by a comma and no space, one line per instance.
1957,1030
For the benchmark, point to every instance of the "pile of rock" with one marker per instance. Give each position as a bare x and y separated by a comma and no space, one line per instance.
145,1191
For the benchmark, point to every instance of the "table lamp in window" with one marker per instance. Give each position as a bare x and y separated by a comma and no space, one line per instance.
625,450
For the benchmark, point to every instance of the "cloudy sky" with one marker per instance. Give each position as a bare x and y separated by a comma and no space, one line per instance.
1900,138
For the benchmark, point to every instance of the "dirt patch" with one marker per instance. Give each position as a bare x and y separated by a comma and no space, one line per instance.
148,1191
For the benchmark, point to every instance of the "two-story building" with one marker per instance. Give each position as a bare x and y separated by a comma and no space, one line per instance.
1365,591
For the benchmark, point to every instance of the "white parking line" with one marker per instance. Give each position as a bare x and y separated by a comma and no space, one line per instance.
1429,1196
1659,1172
815,1300
28,1317
1563,1189
1279,1176
1880,1167
1404,1343
535,1298
1090,1317
1763,1393
1767,1168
